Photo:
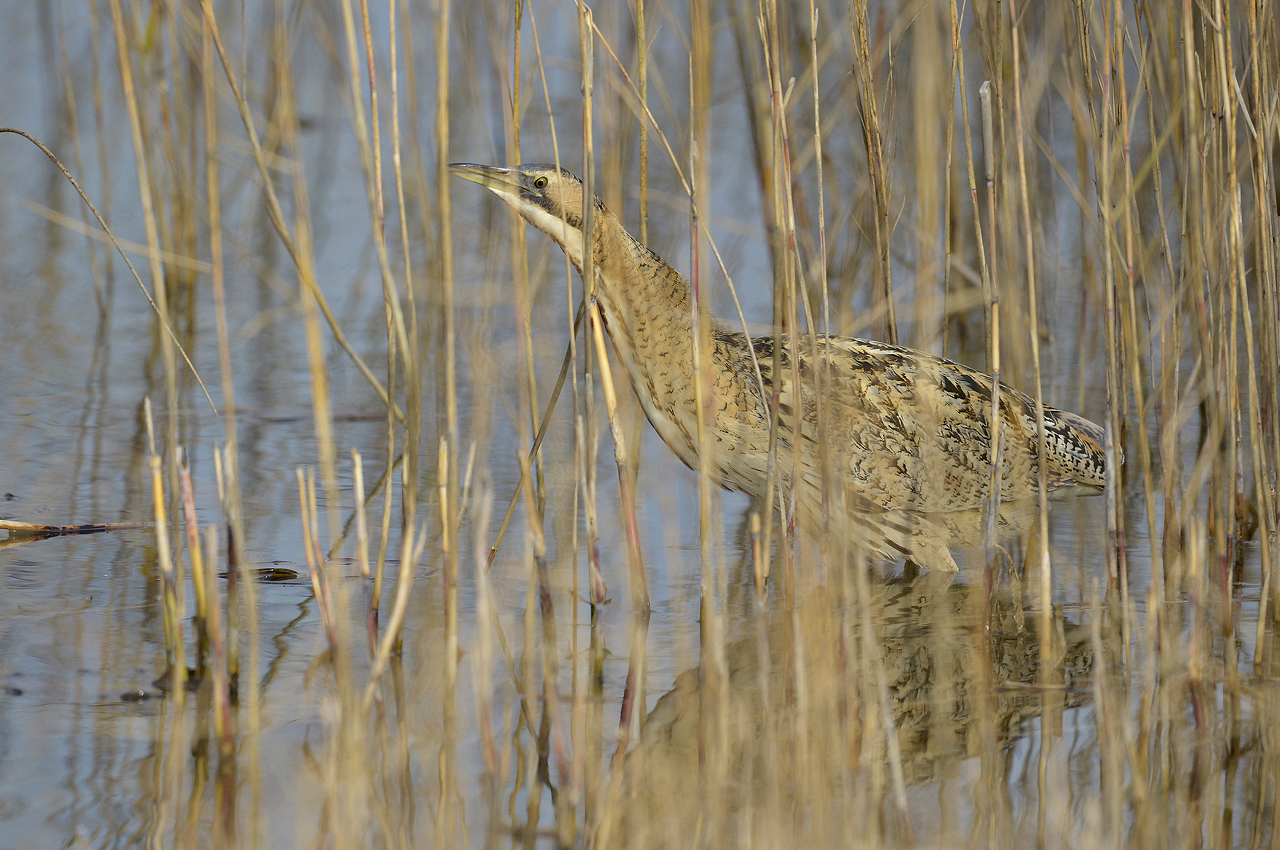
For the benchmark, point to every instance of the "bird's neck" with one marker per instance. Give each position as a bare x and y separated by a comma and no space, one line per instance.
647,304
648,311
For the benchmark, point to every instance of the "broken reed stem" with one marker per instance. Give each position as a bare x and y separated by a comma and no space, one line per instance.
315,559
384,530
171,585
362,548
221,470
411,549
198,582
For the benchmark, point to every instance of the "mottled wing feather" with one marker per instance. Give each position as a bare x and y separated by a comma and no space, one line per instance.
913,430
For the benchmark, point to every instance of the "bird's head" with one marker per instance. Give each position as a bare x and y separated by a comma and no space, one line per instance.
549,198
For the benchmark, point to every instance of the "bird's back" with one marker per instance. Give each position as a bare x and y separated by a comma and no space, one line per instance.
907,430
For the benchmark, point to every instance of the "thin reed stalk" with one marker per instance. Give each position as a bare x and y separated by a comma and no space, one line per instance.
173,602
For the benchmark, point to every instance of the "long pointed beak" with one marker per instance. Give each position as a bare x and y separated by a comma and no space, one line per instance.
502,181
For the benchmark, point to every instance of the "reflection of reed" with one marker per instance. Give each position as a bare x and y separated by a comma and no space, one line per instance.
804,718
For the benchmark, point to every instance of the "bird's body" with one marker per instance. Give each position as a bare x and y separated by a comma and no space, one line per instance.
907,434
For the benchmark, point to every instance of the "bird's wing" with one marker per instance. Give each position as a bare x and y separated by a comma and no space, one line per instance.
910,429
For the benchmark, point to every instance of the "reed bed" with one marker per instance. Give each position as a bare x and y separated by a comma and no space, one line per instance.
1079,197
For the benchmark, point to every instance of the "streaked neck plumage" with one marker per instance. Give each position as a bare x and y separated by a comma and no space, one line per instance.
647,308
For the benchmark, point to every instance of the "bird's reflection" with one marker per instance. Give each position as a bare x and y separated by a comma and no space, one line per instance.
863,679
925,540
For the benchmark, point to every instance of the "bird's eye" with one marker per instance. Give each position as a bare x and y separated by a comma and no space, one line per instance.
539,182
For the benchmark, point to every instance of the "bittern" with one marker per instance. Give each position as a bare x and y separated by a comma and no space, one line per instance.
906,436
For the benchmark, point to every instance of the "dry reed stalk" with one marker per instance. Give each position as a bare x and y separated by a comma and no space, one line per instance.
204,606
137,249
714,703
221,474
788,263
587,436
583,469
1115,524
177,152
639,586
99,125
528,391
551,745
412,546
970,161
229,463
69,98
482,665
146,187
819,265
446,821
1043,565
870,117
991,510
310,298
362,549
316,562
223,726
1164,399
642,92
173,606
1129,353
772,189
172,597
412,350
447,357
619,118
247,690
